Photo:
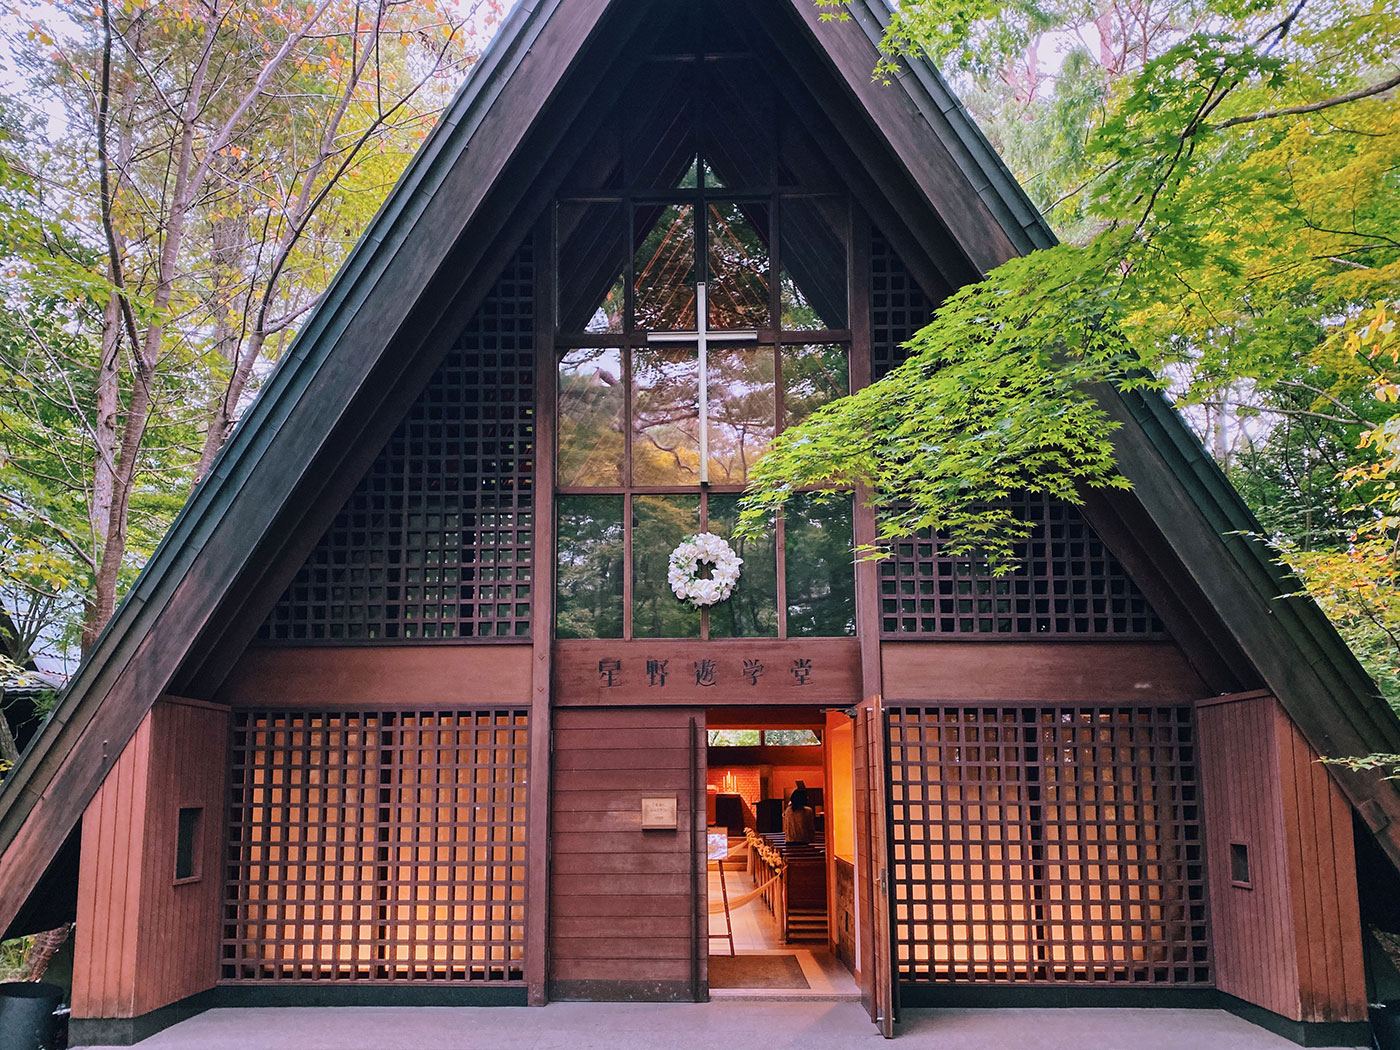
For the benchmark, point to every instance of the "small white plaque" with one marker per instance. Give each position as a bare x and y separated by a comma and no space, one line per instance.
659,813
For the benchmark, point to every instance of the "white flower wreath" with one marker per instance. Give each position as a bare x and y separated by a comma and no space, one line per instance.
684,570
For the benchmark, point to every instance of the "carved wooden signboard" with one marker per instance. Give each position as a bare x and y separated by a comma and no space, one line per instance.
662,671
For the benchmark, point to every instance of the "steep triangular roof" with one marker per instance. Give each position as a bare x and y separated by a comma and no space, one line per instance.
460,209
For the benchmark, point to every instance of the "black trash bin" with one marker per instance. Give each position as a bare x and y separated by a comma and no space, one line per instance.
27,1019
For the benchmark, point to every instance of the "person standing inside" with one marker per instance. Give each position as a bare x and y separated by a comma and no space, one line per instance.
799,819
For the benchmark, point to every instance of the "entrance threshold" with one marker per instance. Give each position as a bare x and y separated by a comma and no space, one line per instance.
743,995
826,979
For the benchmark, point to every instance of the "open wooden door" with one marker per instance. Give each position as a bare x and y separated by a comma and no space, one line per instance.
872,848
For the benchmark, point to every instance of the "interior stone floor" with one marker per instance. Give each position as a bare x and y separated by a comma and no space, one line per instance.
756,932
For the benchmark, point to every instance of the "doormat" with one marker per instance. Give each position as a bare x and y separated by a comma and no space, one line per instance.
756,971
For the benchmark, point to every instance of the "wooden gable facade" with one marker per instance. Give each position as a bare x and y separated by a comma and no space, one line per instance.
404,710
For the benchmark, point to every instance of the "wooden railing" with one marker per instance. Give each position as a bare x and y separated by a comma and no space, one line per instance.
801,871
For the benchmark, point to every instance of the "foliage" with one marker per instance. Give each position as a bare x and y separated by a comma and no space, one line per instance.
178,182
14,955
1225,176
1357,584
992,401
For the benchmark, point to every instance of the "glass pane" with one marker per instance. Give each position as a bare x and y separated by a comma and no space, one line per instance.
741,408
712,181
735,737
592,402
691,179
659,523
820,571
665,415
813,254
588,587
664,268
752,610
812,376
592,282
737,253
791,738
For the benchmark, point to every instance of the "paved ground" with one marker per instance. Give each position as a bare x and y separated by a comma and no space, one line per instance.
712,1026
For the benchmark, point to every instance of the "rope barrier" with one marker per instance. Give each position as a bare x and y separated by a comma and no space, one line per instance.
717,907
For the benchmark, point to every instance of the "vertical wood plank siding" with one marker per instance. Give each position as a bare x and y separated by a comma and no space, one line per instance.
1330,967
106,930
143,940
177,949
1289,940
620,898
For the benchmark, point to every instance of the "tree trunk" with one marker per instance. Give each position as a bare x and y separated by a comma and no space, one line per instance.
12,647
104,429
9,750
225,411
109,562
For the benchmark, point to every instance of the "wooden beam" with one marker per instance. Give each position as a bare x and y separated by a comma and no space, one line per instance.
863,525
542,623
313,676
462,283
867,165
1131,672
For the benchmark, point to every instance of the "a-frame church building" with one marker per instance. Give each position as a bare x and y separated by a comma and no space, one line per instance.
405,710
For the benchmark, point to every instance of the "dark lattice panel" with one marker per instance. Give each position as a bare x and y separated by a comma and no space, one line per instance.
898,307
1047,845
376,846
436,540
1065,582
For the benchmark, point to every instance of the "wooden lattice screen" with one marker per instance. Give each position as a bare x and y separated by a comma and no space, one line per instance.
435,542
1047,845
1065,582
898,307
380,846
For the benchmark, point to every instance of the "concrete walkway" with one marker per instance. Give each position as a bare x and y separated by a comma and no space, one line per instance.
712,1026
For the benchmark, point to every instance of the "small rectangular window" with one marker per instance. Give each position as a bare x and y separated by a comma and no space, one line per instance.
791,738
187,843
734,737
1239,865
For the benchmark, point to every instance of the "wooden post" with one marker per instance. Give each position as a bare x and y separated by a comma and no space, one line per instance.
542,623
695,860
863,527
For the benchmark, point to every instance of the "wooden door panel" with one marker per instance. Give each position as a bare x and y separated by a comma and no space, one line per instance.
872,809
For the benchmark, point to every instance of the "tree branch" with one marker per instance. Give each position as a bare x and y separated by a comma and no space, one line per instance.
1312,107
62,533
